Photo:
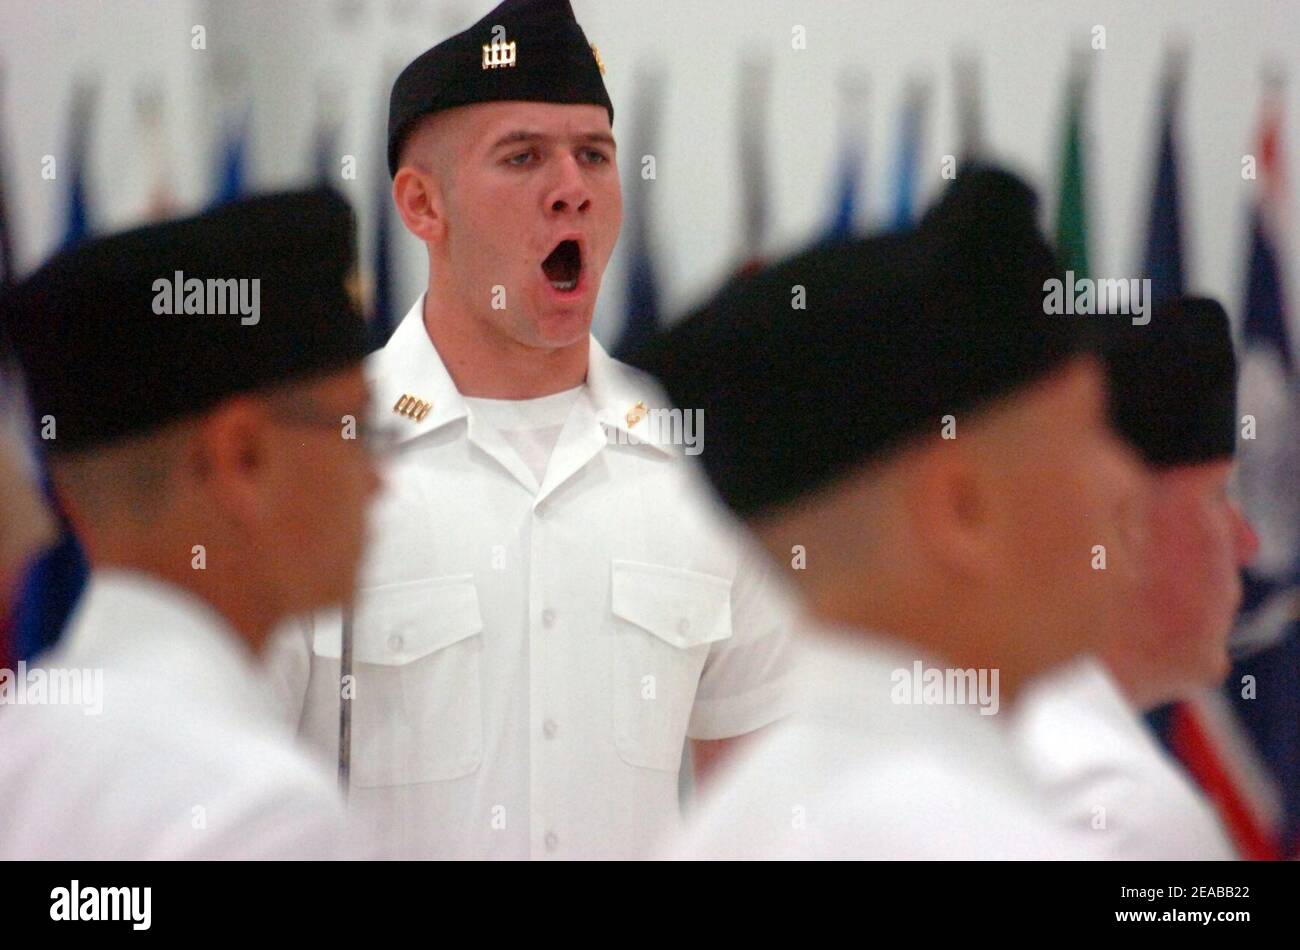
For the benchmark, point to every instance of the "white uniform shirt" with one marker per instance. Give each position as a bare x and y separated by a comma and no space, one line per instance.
186,757
530,659
854,775
1106,775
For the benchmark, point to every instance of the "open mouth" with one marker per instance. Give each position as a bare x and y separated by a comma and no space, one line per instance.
564,265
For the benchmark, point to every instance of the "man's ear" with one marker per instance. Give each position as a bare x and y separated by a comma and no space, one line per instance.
232,456
419,202
952,508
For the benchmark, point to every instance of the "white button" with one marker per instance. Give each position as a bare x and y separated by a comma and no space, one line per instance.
395,643
550,728
683,626
548,617
551,841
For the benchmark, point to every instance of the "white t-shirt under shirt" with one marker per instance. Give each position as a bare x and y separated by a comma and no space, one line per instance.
530,426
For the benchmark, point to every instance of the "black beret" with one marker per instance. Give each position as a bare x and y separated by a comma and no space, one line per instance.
549,60
1173,383
109,350
899,330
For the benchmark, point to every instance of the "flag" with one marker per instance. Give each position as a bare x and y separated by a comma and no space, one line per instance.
844,207
1071,208
754,94
55,582
1269,466
77,214
970,109
908,160
161,203
230,184
642,293
8,264
1163,262
382,312
1241,743
325,157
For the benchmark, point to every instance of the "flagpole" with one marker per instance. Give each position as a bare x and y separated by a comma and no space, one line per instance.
346,691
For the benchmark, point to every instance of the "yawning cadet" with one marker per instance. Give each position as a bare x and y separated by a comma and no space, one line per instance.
553,605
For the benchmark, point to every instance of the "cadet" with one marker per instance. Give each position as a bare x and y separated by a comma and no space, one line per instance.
935,466
1173,398
205,462
552,606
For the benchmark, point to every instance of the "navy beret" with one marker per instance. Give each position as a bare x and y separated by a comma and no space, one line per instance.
120,335
541,55
1173,383
898,331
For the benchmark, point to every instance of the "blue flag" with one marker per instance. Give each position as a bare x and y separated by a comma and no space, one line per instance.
908,159
1163,261
230,182
56,580
642,314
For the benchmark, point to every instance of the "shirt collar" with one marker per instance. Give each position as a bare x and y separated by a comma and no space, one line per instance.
409,370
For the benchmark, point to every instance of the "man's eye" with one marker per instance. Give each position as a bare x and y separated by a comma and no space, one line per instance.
594,156
522,158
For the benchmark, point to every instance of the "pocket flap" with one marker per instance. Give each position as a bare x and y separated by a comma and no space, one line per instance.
395,624
684,608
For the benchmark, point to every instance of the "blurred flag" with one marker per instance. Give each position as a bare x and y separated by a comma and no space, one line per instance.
1263,725
1071,208
754,95
909,155
382,312
325,157
161,203
970,108
230,184
1269,468
1163,261
642,294
8,265
55,582
844,208
77,218
1242,743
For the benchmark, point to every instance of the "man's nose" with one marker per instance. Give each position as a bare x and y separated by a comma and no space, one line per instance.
569,193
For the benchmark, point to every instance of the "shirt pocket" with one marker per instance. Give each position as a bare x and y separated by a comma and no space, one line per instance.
664,620
417,711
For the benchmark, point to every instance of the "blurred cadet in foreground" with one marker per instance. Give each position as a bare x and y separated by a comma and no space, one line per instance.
25,522
197,380
1173,398
934,448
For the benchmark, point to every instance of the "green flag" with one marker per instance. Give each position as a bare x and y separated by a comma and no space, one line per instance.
1071,209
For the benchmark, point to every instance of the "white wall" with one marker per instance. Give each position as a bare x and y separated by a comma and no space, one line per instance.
284,49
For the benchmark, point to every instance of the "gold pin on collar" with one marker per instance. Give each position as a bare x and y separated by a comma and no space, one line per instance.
595,51
499,54
412,407
636,414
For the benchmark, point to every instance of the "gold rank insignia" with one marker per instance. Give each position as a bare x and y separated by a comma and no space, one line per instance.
499,54
636,413
595,51
412,407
